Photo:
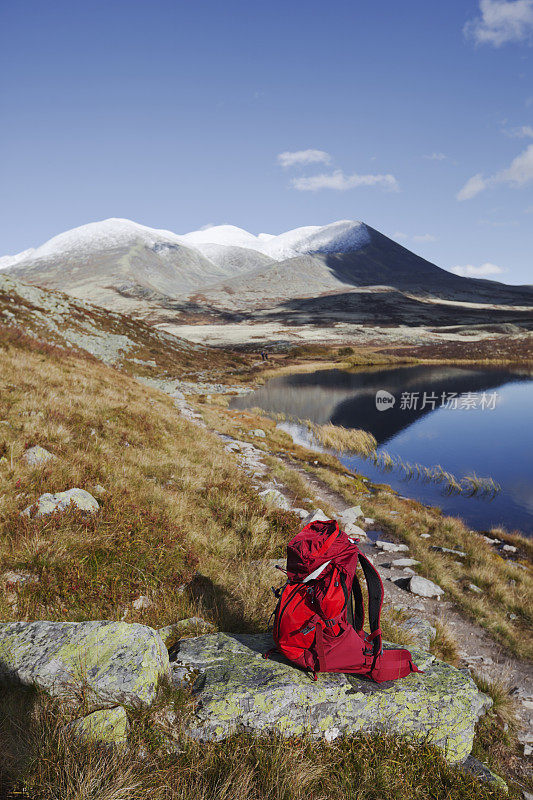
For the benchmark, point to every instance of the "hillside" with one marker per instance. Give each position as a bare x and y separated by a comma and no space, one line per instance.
316,275
110,337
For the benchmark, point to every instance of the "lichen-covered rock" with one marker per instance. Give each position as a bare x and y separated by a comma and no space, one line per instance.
48,503
38,456
236,687
119,662
108,725
192,626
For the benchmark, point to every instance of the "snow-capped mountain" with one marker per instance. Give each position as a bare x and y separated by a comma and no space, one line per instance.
130,267
344,236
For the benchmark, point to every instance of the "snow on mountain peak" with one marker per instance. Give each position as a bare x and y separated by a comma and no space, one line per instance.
113,233
342,236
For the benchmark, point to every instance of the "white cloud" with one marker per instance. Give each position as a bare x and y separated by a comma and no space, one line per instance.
399,236
424,237
518,173
436,157
501,21
298,157
523,132
341,182
473,186
470,271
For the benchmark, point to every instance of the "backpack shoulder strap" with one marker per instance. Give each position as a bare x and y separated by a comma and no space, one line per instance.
375,601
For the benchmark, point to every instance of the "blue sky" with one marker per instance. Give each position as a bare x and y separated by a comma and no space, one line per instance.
174,114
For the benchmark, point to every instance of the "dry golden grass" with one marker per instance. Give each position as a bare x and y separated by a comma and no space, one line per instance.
41,759
174,502
343,440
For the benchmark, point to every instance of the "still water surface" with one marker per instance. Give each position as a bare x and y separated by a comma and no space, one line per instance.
467,420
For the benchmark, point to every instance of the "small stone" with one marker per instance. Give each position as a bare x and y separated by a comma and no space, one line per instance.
315,516
19,579
391,547
425,536
109,725
273,497
448,550
405,562
509,548
355,530
474,588
424,587
48,503
259,433
38,456
513,616
143,603
350,515
98,489
300,512
369,521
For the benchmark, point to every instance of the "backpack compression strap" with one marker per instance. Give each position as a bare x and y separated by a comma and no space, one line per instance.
375,601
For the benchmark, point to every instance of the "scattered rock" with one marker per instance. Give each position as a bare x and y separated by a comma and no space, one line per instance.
459,553
300,512
17,580
119,662
398,563
425,536
236,688
424,587
99,489
423,632
369,521
108,725
259,433
355,530
474,588
350,516
273,497
509,548
315,516
391,547
38,456
48,503
481,771
143,603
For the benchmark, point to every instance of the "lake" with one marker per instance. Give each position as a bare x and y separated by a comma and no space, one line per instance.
468,420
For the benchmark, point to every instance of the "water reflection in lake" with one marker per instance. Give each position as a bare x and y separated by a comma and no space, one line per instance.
468,420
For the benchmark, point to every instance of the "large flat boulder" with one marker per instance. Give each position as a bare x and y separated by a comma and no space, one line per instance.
236,687
119,662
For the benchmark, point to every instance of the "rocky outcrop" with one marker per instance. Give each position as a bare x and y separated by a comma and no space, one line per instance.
235,687
118,662
61,501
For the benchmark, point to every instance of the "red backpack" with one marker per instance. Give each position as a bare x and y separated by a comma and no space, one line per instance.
318,621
